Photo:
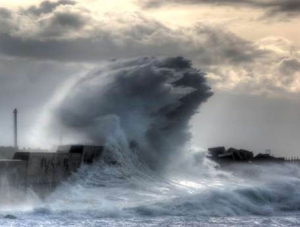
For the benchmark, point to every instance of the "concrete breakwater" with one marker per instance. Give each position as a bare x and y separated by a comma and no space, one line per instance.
232,155
43,171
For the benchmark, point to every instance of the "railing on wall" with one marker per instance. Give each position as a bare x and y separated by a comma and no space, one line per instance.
293,159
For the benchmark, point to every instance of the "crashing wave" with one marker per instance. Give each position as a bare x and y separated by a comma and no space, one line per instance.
142,104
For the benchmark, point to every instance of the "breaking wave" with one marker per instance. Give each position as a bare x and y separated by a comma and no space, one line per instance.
143,104
140,110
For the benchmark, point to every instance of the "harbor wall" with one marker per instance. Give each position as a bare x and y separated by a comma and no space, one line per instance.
12,173
43,171
46,170
88,153
13,179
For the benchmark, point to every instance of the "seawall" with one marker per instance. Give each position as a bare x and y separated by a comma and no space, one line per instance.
43,171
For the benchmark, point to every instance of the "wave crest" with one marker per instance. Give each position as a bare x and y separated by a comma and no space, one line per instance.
145,103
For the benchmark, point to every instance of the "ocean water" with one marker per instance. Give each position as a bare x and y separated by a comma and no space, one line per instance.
291,220
149,174
104,195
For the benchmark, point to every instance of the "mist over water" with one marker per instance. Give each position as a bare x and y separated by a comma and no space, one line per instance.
150,174
143,104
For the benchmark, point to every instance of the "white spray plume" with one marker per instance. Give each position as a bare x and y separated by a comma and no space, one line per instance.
145,102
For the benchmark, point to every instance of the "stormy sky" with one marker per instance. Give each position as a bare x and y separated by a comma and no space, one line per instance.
248,48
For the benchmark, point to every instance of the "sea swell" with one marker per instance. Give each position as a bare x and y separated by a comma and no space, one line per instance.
140,109
142,104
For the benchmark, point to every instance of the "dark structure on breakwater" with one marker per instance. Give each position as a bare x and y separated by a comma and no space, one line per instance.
232,155
43,171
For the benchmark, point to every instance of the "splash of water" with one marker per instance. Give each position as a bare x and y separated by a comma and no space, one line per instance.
142,104
140,110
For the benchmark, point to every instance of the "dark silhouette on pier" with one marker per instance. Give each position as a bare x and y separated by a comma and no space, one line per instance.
232,155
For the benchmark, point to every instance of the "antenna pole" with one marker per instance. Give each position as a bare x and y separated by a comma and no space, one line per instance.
16,128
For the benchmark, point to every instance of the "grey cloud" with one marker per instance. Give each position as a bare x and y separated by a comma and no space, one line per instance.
5,13
106,46
289,66
73,34
288,71
221,47
63,50
272,7
62,36
47,7
68,19
61,23
76,34
158,3
287,7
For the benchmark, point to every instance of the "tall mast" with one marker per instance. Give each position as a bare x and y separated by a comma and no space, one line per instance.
16,128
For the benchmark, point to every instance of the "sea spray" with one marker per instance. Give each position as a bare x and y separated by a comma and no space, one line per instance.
143,104
140,110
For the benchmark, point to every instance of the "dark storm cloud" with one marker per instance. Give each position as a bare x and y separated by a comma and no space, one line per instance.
68,19
288,71
212,49
47,7
222,47
69,32
286,7
158,3
289,66
75,35
61,23
272,7
58,50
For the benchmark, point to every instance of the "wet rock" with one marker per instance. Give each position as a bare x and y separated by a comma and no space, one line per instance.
216,151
